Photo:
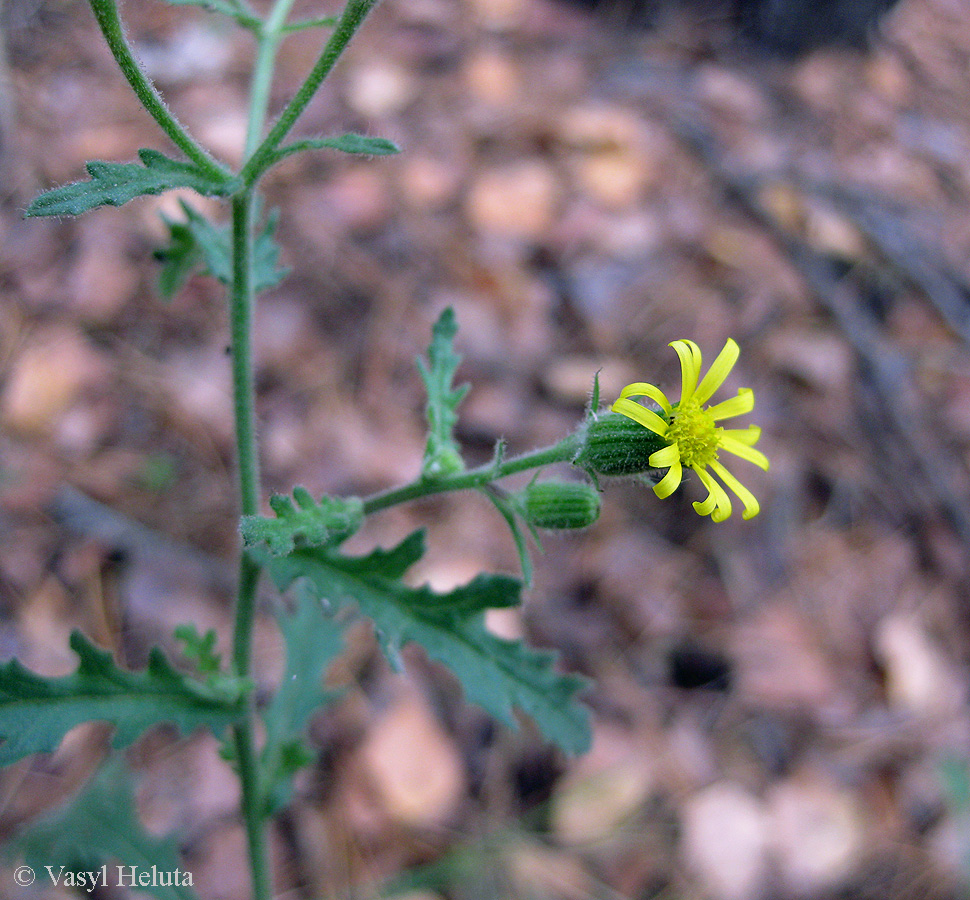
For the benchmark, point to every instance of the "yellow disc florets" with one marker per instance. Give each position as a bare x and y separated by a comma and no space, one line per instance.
693,430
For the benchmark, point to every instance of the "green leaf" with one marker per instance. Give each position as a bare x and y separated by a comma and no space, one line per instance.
199,245
99,825
360,144
36,712
113,184
313,640
179,259
442,455
308,524
496,673
200,648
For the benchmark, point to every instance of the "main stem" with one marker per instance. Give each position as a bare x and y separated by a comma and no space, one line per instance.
241,301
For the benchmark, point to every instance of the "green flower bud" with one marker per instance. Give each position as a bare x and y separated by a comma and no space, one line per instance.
555,505
616,445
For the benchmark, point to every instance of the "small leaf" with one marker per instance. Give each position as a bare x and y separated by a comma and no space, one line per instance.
114,184
101,824
308,524
199,245
442,455
360,144
179,259
313,640
36,712
495,673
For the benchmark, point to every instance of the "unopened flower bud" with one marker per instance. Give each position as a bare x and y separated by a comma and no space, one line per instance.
556,505
616,445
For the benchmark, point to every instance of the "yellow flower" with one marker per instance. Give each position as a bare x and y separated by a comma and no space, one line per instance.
691,431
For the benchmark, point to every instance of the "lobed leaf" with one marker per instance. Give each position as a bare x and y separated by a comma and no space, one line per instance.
442,455
495,673
36,712
101,824
200,245
309,523
114,184
313,640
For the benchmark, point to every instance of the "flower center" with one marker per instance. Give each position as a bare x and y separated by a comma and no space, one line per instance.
694,431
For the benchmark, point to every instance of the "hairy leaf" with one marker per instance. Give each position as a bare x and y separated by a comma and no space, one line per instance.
200,648
100,826
442,455
360,144
197,244
495,673
308,524
36,712
179,259
114,184
313,640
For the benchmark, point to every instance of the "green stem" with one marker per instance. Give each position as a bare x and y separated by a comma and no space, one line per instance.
252,808
474,479
241,301
106,13
270,35
350,20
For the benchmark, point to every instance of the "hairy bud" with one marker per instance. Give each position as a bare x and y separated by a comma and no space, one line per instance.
616,445
557,505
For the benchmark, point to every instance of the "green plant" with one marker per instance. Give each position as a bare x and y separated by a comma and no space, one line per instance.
299,546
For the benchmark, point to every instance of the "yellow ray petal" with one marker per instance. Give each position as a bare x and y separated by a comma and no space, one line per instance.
751,505
732,445
646,417
722,502
664,457
717,372
642,389
749,435
708,506
671,481
690,367
736,406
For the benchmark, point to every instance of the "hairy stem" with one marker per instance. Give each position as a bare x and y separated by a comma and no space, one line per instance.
564,451
106,13
241,301
350,20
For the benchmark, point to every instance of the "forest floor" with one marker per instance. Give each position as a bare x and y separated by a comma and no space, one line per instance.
780,705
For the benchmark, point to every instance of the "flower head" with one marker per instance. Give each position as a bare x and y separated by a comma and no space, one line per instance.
692,434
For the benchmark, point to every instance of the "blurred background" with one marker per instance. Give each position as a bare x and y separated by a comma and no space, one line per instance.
780,705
